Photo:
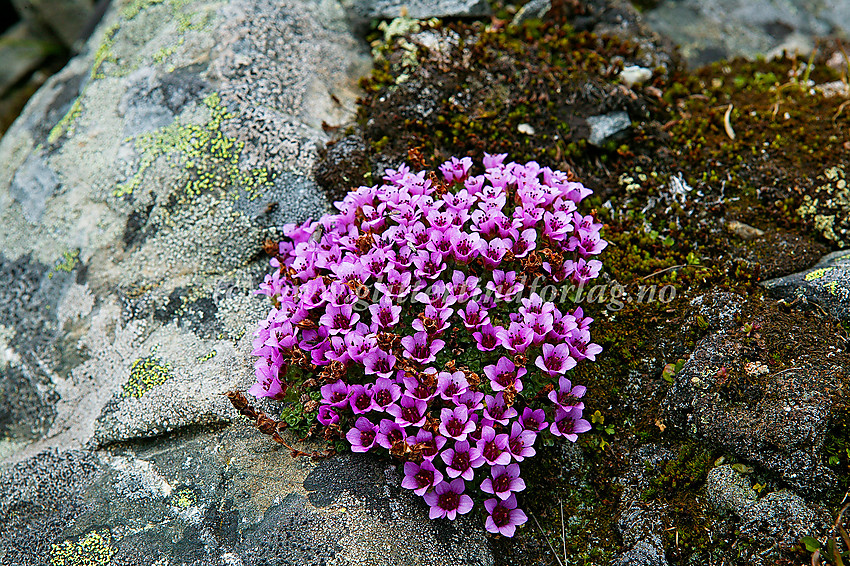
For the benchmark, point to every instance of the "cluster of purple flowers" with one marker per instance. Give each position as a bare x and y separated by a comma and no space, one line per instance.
394,305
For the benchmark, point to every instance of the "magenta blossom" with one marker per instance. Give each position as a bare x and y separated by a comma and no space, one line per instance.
360,399
504,517
494,447
428,444
503,481
568,397
419,348
409,411
504,374
447,500
520,442
569,424
362,436
455,423
462,460
556,360
385,393
420,477
389,433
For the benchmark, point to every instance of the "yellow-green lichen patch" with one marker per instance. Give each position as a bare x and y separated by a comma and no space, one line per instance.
92,550
183,498
145,374
66,263
208,159
136,7
208,356
104,52
818,273
66,124
829,207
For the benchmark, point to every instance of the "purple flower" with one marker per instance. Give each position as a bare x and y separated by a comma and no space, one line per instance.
520,442
389,433
438,317
580,345
456,169
335,394
462,287
569,424
504,374
587,244
492,161
496,410
495,251
533,420
556,360
455,423
360,399
268,384
313,293
582,271
474,316
517,338
396,286
487,338
417,389
385,314
420,477
451,384
379,362
503,481
494,447
504,285
504,517
339,319
524,243
328,415
339,294
362,436
409,411
428,265
472,400
462,460
419,348
535,305
385,393
447,500
567,397
466,246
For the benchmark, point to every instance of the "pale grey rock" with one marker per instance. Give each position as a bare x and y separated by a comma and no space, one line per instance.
136,190
721,29
416,9
606,126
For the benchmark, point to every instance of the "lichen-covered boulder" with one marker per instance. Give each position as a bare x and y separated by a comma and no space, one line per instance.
136,191
827,283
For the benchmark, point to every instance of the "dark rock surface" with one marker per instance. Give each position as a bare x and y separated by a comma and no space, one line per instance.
826,283
776,419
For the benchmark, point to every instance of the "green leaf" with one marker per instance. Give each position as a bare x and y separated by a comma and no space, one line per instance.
811,543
